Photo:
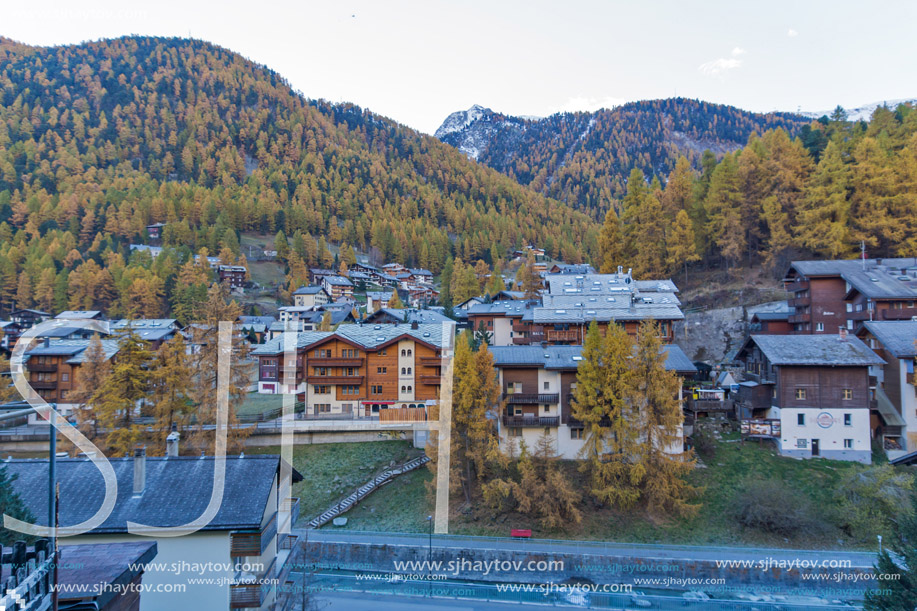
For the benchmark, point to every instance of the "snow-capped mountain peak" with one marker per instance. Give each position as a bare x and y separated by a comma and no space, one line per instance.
461,119
861,113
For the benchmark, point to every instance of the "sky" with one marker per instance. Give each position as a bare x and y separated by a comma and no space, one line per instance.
418,61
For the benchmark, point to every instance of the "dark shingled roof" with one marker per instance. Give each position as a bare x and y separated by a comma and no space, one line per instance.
101,563
177,491
567,357
827,350
898,336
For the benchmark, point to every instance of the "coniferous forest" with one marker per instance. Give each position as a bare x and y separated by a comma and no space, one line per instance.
99,140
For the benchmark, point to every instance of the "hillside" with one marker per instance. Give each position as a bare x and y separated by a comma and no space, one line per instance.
584,158
98,140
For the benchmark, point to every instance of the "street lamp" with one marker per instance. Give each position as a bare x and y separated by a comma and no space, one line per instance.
430,559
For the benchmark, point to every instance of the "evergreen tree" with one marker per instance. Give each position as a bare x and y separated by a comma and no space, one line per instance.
898,561
611,244
681,244
11,504
172,388
88,378
603,379
724,210
653,396
395,300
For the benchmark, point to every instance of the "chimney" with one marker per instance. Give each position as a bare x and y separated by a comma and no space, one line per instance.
47,342
842,334
139,470
414,325
172,443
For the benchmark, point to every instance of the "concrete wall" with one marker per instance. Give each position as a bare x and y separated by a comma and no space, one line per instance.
594,567
827,426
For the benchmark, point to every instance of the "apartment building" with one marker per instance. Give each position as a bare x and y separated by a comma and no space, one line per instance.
359,370
570,302
538,385
310,297
52,368
895,383
817,390
846,293
338,287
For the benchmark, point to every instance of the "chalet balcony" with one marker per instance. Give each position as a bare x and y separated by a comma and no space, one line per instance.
524,341
252,542
570,335
521,326
336,361
574,423
403,414
530,421
797,302
43,384
861,315
41,367
247,592
798,318
431,361
795,286
348,380
431,380
530,399
890,314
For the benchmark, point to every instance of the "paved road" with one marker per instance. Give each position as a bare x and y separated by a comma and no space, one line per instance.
864,560
356,601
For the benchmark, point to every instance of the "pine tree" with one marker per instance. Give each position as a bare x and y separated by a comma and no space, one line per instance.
172,387
898,592
11,504
724,210
120,396
205,335
88,378
681,244
325,324
653,395
599,401
495,284
528,280
679,189
395,300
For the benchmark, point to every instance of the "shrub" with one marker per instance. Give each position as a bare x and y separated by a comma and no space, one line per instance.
870,499
770,506
704,440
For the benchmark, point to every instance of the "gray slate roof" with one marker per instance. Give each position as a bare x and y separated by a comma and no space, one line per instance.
414,315
898,337
826,350
74,348
368,336
308,290
567,357
177,491
876,281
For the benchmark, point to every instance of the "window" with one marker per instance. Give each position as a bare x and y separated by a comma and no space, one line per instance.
382,352
850,325
65,377
547,385
848,419
323,353
801,419
409,352
819,326
321,389
404,352
515,432
546,409
381,369
409,371
375,390
321,371
802,443
351,371
404,389
576,433
800,393
848,394
848,444
404,370
323,408
410,389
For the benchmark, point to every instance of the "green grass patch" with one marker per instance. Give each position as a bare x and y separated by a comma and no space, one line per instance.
266,273
331,471
257,403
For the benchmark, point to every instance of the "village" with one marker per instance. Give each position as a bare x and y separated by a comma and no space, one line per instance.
827,375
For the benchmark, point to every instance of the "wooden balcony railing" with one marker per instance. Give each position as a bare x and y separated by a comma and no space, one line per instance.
431,361
43,384
570,335
335,361
432,380
41,367
902,314
796,302
530,421
349,380
252,542
531,399
403,414
795,285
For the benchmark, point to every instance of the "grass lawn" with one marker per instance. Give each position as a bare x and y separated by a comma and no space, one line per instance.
331,471
266,273
257,403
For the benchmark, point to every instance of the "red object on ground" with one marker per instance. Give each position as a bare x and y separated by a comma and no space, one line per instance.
521,532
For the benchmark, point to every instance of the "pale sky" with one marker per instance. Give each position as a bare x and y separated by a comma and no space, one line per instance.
417,61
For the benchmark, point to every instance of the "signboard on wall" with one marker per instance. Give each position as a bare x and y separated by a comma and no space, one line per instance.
760,428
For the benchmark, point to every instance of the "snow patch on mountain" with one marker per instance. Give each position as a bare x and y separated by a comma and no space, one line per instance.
861,113
461,119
